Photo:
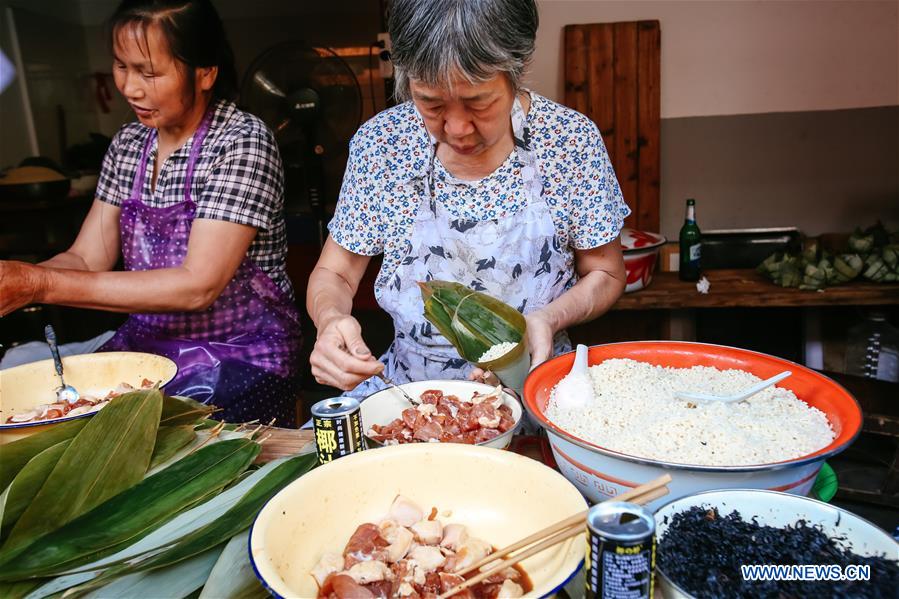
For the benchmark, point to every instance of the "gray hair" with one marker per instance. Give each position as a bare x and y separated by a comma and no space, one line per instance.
433,40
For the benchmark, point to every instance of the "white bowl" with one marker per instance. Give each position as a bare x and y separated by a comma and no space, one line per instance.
770,508
29,385
387,405
499,495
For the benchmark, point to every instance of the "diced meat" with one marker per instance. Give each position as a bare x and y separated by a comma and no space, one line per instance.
381,589
346,588
427,409
427,431
509,589
370,571
428,532
365,544
412,418
472,550
327,565
431,396
485,434
400,546
428,558
405,512
453,536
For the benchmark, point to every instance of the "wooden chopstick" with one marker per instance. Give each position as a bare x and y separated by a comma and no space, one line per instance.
566,523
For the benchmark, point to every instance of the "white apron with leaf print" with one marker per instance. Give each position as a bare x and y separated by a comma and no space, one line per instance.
518,259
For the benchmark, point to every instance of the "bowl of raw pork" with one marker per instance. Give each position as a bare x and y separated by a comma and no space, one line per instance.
28,402
450,412
402,519
752,527
641,256
633,429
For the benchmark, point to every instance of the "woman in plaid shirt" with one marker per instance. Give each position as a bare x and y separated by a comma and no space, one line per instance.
191,197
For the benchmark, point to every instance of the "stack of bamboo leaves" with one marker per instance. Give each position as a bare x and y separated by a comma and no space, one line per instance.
146,498
472,321
872,254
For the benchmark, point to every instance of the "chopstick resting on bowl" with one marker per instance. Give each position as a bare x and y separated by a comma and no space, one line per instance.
552,535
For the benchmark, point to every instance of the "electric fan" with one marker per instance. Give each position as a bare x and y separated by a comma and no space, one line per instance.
311,100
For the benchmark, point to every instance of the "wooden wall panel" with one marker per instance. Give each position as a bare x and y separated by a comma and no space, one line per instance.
612,74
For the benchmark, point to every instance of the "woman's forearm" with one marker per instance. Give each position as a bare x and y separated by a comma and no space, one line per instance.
68,260
163,290
589,298
329,296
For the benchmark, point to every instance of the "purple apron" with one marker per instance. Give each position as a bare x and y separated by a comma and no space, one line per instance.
241,353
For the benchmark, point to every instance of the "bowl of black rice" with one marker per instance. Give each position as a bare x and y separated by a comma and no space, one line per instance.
709,544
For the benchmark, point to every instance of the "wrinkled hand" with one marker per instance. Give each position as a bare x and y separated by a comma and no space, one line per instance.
20,283
540,338
340,357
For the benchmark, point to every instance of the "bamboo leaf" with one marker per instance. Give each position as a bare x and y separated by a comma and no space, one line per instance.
174,582
132,514
169,440
14,456
166,535
236,519
110,454
26,484
233,576
17,590
182,410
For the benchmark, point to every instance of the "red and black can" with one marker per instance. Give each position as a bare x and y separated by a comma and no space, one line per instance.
621,551
337,424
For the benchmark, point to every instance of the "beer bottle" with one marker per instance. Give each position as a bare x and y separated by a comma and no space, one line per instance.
690,245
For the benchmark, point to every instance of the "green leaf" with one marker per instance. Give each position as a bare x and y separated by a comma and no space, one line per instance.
182,410
169,440
175,582
166,535
212,534
26,484
14,456
233,576
132,514
109,455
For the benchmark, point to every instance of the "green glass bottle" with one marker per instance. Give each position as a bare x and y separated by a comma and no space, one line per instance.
690,245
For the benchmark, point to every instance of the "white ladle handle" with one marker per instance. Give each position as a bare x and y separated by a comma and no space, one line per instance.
580,359
763,385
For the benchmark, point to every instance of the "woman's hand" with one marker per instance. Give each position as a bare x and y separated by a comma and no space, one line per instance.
340,357
540,337
20,285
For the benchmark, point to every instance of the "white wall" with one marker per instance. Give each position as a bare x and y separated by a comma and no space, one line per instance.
722,57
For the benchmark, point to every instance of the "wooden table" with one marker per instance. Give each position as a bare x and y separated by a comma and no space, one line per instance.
732,288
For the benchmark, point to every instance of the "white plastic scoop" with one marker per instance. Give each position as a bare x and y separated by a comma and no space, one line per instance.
746,393
575,390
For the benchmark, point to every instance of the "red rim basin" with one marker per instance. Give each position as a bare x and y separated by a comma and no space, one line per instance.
815,389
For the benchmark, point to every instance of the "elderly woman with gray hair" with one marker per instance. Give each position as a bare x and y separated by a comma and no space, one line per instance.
473,179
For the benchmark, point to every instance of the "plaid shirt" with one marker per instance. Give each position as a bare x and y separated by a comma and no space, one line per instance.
238,178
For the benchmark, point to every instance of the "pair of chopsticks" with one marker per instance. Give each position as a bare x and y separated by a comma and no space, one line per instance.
552,535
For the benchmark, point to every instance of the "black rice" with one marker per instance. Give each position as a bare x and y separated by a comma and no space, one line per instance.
702,551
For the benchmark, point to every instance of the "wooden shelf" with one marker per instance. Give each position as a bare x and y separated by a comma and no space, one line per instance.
746,288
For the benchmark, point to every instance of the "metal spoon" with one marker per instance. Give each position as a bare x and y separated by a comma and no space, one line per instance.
734,398
408,397
66,393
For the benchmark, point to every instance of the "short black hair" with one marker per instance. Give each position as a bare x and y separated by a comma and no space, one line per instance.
193,31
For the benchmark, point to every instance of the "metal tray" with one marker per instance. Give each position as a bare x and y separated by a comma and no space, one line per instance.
746,248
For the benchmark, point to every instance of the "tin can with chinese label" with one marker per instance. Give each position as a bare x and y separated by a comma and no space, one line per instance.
337,425
621,551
